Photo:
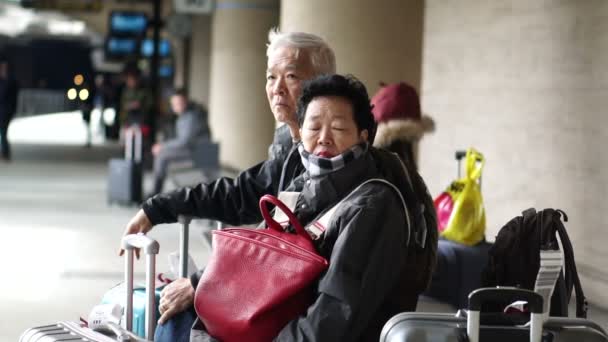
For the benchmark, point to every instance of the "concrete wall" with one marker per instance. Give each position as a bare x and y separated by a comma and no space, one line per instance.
527,84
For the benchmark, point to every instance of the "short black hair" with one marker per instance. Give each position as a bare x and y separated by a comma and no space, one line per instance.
348,87
183,92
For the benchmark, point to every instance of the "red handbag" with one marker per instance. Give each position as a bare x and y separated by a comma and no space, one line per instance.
257,280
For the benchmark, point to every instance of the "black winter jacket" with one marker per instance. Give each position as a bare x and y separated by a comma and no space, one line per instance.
232,201
366,244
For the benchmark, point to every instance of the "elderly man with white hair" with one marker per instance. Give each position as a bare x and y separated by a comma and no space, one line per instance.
293,57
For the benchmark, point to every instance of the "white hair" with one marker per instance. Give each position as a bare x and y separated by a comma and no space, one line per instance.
322,57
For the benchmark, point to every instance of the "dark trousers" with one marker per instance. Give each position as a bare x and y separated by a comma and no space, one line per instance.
177,329
167,156
4,144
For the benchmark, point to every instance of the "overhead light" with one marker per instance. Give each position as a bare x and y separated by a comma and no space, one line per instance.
66,27
72,94
84,94
109,116
78,79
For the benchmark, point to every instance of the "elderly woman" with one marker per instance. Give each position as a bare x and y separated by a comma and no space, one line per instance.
367,239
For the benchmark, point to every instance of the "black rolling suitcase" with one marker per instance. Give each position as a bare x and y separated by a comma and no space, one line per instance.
474,326
125,175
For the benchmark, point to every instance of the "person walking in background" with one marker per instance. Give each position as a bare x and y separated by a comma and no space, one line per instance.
191,127
8,106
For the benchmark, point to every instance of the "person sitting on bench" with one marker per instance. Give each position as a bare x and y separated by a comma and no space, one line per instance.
191,127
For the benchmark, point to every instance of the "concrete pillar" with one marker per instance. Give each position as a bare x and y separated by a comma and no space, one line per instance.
373,40
240,117
200,59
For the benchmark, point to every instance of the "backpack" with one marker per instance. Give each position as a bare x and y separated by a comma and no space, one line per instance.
514,259
423,252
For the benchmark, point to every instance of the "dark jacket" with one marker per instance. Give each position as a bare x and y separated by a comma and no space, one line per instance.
191,126
233,201
364,262
366,245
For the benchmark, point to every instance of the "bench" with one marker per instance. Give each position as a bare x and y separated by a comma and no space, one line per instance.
204,165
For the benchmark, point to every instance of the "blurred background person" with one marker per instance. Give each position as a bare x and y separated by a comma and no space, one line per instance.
191,127
135,101
8,106
401,123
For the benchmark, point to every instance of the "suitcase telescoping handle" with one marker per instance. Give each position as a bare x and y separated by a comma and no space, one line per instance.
150,248
133,143
511,294
183,244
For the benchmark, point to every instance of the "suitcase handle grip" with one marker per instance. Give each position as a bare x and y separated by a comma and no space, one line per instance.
479,296
147,244
511,294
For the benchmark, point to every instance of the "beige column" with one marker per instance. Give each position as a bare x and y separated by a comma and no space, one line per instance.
376,41
240,118
200,59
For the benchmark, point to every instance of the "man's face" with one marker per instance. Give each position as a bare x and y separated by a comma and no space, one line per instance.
287,69
131,81
178,104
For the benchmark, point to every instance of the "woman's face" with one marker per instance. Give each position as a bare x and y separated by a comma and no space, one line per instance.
329,127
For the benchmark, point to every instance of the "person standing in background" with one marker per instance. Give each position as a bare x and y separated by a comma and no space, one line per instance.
401,123
8,106
135,101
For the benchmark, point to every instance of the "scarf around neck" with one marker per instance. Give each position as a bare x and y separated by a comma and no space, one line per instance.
317,166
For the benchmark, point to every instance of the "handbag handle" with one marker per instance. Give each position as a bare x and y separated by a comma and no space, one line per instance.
272,224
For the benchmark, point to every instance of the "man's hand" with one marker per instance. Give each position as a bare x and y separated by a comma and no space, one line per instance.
175,298
156,149
138,224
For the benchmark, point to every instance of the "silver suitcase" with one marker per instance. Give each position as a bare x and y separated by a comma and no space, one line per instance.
434,327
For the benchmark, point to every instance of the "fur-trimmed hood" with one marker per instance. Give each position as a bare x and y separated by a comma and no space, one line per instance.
402,129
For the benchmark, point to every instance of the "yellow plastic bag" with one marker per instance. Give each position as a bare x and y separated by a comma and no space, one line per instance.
460,213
